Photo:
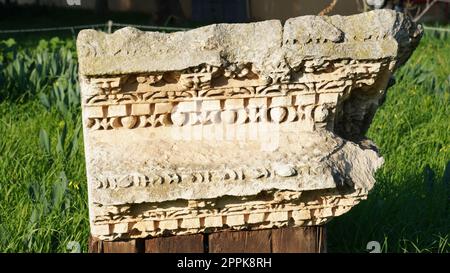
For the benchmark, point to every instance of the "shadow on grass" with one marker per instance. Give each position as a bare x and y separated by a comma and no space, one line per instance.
409,216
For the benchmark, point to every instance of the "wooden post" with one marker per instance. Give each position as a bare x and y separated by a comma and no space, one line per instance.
176,244
258,241
129,246
299,240
282,240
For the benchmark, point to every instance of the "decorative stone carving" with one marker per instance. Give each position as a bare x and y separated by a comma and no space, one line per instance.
241,126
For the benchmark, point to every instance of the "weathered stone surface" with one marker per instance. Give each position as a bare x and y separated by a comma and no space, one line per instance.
234,125
132,51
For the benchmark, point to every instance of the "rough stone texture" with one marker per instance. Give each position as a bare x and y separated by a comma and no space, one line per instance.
242,126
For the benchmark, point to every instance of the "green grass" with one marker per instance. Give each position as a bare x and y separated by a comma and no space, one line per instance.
409,208
43,195
43,191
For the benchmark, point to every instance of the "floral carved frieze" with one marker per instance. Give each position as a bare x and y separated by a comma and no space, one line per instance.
234,126
312,108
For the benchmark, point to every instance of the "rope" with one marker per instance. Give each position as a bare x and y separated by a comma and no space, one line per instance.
49,29
72,28
328,8
90,26
152,27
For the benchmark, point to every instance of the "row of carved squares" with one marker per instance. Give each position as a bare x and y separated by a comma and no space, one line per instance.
121,110
140,232
204,222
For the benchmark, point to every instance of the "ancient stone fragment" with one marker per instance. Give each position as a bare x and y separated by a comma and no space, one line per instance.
234,125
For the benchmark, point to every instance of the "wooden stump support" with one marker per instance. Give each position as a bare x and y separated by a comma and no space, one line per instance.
282,240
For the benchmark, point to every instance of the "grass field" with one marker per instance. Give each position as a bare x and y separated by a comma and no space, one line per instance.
43,193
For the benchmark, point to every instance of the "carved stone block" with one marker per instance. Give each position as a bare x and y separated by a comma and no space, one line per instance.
234,126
